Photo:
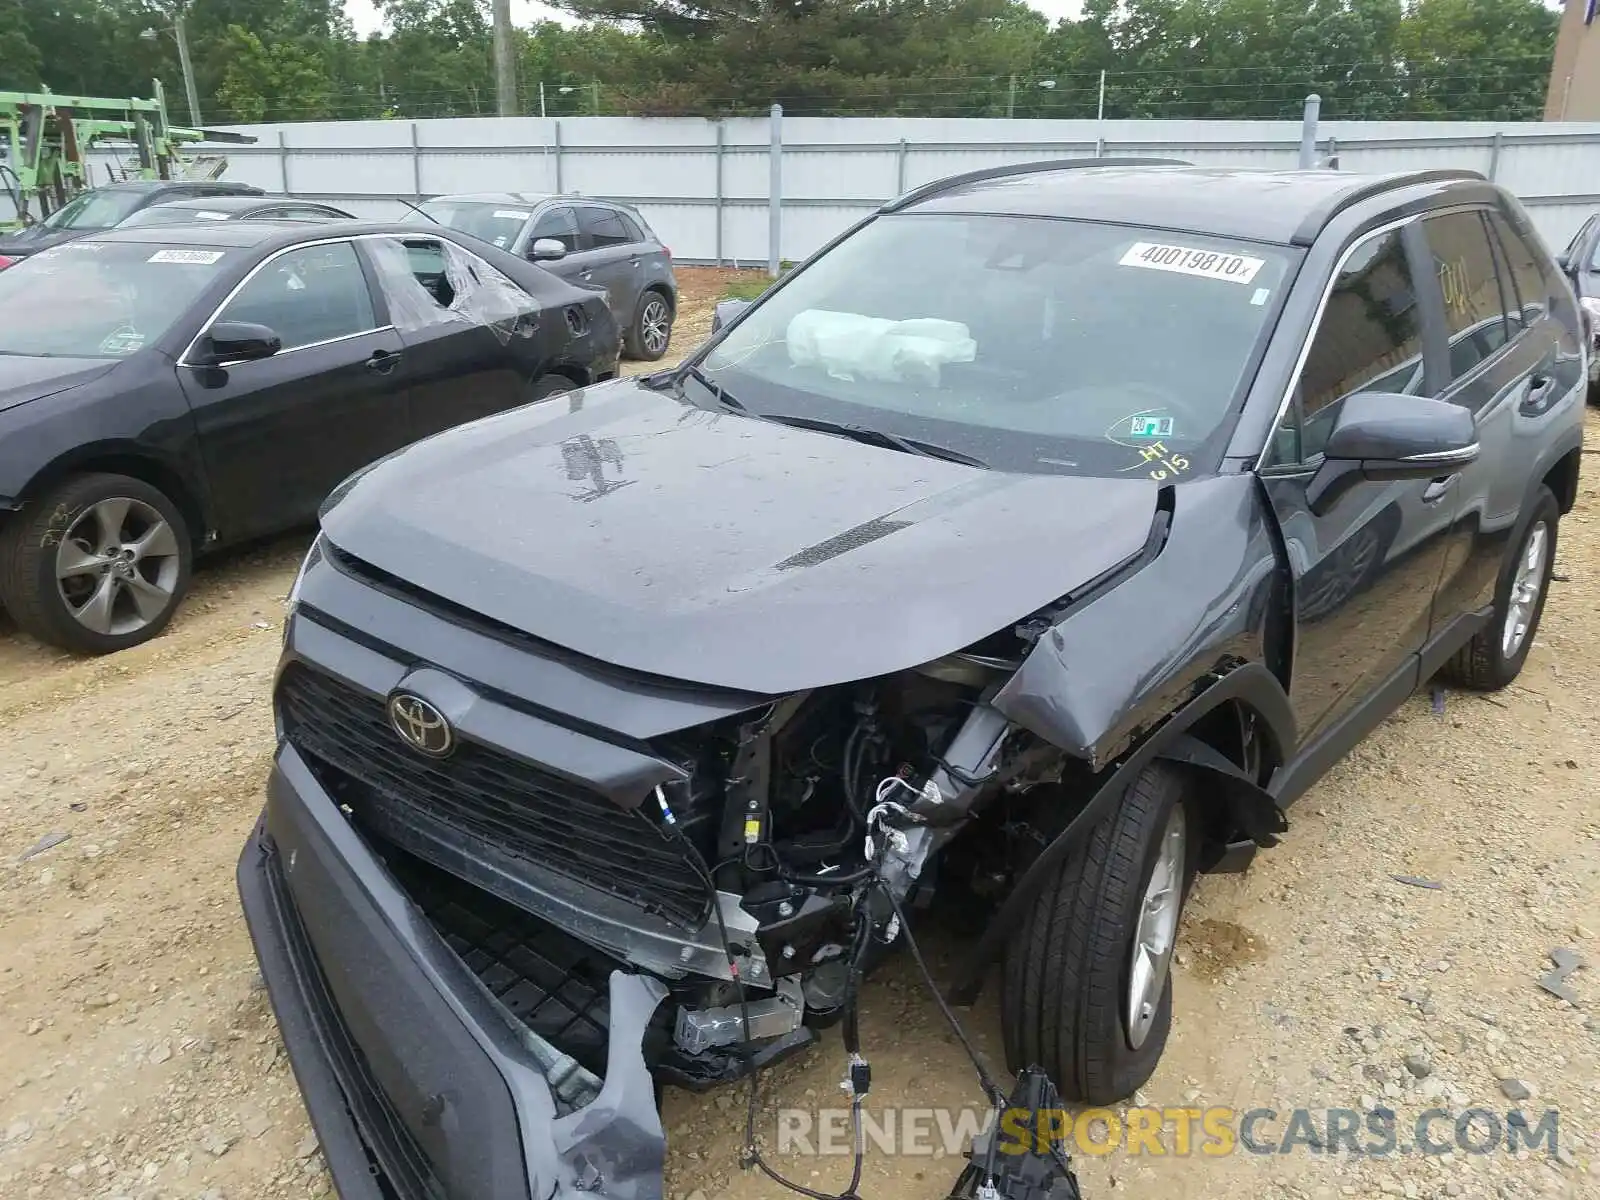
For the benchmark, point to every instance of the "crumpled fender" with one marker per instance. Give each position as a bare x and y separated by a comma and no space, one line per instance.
1261,817
1252,808
1114,665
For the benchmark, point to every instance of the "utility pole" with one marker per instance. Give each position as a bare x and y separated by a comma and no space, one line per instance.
505,74
1011,99
188,70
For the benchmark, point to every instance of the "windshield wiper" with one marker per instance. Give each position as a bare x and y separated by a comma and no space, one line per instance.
878,437
718,392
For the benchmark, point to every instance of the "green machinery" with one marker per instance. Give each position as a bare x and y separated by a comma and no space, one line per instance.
45,140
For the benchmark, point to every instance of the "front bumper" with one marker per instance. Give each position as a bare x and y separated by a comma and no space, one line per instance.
418,1084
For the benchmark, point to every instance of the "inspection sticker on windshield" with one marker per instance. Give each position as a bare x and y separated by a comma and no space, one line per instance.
511,214
1146,426
1186,260
191,258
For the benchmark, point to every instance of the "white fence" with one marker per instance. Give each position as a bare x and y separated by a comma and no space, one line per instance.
705,185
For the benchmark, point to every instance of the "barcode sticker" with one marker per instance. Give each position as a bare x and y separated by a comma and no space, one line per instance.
190,258
1186,260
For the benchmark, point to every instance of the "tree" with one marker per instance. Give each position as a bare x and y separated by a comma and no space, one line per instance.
21,63
285,81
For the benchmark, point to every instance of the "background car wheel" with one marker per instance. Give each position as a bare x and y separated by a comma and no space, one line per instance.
651,331
549,385
96,565
1087,993
1494,657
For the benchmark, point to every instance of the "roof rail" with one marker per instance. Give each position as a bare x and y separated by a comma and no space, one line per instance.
917,194
1319,217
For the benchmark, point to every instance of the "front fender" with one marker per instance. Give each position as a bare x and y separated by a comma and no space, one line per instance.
1115,667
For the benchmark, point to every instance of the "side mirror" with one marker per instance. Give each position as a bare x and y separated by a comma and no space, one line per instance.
726,311
1386,435
238,341
548,250
1564,261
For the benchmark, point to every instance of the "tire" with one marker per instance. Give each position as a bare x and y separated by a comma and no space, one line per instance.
132,579
1486,663
650,333
1066,987
549,385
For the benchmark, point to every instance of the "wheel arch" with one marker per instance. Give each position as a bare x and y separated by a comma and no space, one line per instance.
1562,478
136,462
1188,737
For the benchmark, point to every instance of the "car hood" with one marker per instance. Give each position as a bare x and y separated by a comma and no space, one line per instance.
24,377
628,526
36,238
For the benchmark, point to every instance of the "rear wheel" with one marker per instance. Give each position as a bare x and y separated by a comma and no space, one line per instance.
651,332
1494,657
1087,993
96,565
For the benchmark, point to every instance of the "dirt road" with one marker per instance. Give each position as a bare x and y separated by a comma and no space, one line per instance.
138,1057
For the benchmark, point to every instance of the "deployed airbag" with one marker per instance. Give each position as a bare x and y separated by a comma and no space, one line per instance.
852,346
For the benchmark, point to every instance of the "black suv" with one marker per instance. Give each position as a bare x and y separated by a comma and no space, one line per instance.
594,243
1036,544
106,207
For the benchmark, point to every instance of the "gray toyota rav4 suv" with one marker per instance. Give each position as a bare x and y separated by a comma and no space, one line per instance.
1035,544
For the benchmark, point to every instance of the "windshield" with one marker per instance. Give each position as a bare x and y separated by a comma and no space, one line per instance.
1032,344
167,214
98,209
90,299
497,223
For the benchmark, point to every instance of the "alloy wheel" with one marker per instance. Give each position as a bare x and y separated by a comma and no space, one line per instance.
1157,931
117,566
655,325
1525,587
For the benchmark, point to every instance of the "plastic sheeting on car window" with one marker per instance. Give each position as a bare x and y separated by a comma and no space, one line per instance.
477,293
852,346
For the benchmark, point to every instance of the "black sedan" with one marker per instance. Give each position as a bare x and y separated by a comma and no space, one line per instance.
177,388
235,208
103,208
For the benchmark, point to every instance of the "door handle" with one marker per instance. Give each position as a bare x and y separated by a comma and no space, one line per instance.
382,362
1540,387
1438,489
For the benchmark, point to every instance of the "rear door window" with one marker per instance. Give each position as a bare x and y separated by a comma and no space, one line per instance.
603,227
1529,279
1474,308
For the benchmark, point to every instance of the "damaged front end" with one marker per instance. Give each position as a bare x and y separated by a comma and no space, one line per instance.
482,951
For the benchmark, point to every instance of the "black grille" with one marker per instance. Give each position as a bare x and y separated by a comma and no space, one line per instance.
487,797
556,985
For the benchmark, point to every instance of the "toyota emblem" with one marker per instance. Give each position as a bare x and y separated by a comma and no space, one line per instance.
420,725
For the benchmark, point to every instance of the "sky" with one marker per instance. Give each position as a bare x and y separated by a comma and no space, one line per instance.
524,12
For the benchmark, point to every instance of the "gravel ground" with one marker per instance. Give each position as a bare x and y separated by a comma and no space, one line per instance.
139,1058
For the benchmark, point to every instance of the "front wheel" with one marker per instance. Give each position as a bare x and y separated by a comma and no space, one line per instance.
1087,993
651,332
96,565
